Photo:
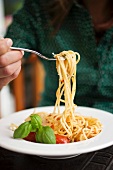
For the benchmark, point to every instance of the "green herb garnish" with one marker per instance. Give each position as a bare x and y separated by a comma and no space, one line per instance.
44,134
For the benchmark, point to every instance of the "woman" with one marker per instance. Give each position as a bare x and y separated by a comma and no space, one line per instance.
85,26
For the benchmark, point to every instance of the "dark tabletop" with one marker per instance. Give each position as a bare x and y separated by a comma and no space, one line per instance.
99,160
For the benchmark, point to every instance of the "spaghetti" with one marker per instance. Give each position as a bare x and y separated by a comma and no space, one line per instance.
74,126
70,124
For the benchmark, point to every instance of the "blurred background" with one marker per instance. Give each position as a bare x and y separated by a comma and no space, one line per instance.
25,91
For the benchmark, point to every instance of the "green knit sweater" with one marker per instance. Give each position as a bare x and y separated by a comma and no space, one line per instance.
95,69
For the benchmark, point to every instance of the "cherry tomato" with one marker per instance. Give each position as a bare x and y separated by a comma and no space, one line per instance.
61,139
31,137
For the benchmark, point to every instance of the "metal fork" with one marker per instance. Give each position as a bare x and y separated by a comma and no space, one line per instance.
32,51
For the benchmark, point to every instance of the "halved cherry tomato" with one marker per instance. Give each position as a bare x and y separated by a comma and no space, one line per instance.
61,139
31,137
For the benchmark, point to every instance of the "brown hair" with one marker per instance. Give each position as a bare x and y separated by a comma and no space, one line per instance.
58,10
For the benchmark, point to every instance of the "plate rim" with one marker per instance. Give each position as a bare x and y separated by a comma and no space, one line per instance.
57,145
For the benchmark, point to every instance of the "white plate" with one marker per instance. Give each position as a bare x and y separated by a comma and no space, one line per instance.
56,151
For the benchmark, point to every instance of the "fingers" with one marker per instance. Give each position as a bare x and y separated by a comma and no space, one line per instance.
5,45
9,70
10,62
6,80
10,57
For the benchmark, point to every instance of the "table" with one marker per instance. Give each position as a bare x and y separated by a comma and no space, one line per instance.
99,160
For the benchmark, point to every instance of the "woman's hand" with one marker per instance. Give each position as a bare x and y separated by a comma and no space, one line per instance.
10,62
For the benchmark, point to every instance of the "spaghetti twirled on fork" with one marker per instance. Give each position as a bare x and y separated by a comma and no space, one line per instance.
75,126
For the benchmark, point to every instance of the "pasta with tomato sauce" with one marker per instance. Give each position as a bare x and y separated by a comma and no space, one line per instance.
69,124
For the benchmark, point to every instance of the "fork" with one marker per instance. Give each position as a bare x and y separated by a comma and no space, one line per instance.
32,51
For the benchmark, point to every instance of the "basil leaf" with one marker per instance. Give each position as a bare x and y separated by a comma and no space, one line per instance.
36,121
46,135
23,130
33,130
39,135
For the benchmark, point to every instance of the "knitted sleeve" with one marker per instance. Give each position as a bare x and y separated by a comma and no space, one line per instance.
23,30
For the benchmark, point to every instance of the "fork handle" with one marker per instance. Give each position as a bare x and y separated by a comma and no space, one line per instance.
32,51
22,49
